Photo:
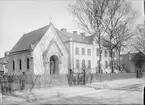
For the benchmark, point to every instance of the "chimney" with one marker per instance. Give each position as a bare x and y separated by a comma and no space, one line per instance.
74,32
83,34
63,29
6,53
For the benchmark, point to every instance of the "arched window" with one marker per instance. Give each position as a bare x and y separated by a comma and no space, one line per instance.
89,64
83,64
98,52
28,63
106,64
20,64
105,53
113,54
77,63
13,65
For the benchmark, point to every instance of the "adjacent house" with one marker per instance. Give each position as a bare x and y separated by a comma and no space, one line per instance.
4,64
133,61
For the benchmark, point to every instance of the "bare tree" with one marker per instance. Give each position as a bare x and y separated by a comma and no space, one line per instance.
118,17
89,15
123,36
139,41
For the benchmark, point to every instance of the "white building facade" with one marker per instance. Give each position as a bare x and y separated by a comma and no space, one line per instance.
35,50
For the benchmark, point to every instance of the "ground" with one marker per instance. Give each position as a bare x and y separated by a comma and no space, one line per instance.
127,91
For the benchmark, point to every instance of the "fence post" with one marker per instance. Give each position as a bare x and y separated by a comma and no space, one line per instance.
84,76
70,77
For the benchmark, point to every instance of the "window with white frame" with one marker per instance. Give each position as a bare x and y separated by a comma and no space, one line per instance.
77,50
97,52
113,54
83,51
83,64
89,64
105,53
106,64
89,52
77,63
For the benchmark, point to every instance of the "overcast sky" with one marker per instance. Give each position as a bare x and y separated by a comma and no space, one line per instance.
22,16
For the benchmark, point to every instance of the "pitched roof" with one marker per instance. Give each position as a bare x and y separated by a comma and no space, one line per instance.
75,37
79,38
30,38
130,54
138,57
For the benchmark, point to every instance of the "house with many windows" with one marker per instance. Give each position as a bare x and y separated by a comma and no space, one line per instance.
35,51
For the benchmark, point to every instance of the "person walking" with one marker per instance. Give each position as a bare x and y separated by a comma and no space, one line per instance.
23,81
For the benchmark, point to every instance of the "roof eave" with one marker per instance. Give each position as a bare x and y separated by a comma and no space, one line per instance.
19,52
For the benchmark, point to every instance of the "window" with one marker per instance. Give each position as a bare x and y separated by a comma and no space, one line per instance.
121,58
105,53
83,64
13,65
98,62
113,54
83,51
77,51
89,52
109,53
89,64
106,64
97,52
20,64
77,63
28,63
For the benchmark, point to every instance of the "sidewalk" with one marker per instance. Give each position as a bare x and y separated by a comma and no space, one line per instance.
118,83
55,93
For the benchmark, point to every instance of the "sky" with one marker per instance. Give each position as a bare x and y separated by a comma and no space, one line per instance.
18,17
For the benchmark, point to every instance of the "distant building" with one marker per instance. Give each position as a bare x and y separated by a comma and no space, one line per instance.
133,61
4,64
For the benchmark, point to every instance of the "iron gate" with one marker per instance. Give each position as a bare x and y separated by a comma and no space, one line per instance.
76,78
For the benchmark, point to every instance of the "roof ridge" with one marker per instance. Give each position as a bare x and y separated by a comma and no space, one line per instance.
30,38
37,29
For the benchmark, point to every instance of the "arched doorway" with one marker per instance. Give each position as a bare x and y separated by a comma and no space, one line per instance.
54,65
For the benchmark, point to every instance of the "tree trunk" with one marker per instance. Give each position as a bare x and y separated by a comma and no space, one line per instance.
119,61
111,56
100,52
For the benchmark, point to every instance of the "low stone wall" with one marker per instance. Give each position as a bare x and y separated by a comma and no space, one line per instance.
114,76
62,80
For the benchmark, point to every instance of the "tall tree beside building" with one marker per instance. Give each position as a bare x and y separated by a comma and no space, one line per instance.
89,15
119,16
104,18
122,39
139,40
